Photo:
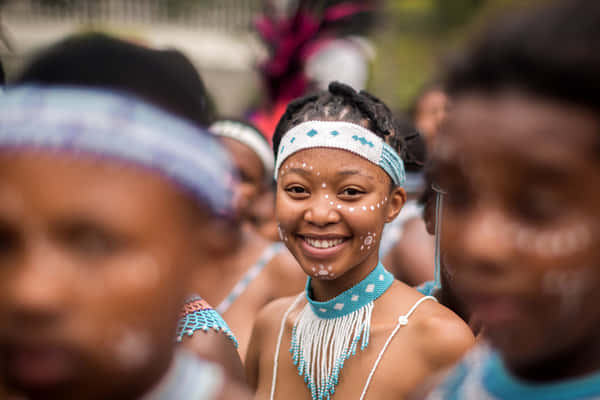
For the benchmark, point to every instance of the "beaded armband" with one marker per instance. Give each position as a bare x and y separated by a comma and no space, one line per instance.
198,315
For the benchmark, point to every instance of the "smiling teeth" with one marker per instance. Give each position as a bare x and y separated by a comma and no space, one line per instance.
323,244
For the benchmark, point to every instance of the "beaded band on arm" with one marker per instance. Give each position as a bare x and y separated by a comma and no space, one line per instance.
198,315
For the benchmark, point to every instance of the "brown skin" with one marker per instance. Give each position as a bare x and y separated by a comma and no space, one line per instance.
412,259
251,174
514,160
281,277
432,110
434,337
256,201
218,348
90,290
263,215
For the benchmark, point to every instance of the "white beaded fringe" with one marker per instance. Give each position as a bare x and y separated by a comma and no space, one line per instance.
321,346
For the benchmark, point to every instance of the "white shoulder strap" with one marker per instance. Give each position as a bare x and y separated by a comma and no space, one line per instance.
402,320
276,358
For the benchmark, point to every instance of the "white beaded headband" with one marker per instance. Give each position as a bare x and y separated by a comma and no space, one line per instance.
344,136
248,136
112,125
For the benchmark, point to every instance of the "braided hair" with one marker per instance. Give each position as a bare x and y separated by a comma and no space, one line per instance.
343,103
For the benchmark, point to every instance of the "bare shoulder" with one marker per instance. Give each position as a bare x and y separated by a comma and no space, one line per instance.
271,314
443,336
266,326
286,274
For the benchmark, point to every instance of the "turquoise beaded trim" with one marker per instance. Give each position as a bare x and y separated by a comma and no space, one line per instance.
364,292
334,317
199,316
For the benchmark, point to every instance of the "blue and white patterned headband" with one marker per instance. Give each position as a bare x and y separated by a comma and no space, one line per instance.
344,136
114,125
248,136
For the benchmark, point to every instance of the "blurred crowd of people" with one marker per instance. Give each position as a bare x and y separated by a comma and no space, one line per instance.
322,246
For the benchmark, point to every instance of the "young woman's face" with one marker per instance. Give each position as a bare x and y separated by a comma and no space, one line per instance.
94,263
432,110
521,221
331,208
251,172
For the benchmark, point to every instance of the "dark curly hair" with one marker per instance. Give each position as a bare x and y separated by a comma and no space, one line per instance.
164,78
550,51
342,103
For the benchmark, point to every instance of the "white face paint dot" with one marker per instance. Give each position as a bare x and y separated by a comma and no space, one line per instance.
303,165
377,205
326,196
331,203
338,206
133,349
351,209
324,185
372,208
311,167
364,208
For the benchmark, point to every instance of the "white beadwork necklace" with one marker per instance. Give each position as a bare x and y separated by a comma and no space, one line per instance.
326,334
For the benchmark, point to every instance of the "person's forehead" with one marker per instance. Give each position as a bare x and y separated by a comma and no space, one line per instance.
78,181
517,125
242,154
331,160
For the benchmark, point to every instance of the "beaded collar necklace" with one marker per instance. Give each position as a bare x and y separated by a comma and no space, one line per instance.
326,334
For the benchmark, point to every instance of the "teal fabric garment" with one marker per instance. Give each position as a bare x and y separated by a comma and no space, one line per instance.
426,288
189,378
482,376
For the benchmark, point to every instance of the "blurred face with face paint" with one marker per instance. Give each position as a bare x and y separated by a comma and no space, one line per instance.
521,223
95,258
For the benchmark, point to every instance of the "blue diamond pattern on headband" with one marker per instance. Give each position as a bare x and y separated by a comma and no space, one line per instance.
363,140
344,136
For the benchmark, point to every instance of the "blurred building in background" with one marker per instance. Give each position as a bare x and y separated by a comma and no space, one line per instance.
218,36
215,34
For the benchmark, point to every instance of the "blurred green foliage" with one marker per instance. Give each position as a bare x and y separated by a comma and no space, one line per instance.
416,35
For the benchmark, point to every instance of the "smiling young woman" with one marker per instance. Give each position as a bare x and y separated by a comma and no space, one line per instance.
339,181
